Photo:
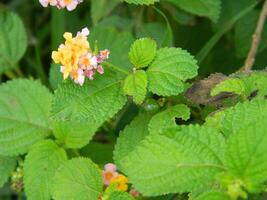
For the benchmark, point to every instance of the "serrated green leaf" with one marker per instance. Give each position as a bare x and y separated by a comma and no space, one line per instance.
177,161
130,137
40,166
142,52
142,2
246,156
135,85
244,85
230,85
112,194
78,179
170,68
243,114
86,108
205,8
213,195
166,118
7,165
24,115
13,40
117,42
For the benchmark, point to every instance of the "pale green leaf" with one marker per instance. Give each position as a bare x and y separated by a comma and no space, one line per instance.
178,161
213,195
40,166
130,137
246,156
142,2
205,8
170,68
142,52
117,42
24,115
166,118
244,85
230,85
135,85
78,179
85,108
7,165
13,40
243,114
116,195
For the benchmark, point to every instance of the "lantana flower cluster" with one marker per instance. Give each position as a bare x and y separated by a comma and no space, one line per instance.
60,4
77,59
112,177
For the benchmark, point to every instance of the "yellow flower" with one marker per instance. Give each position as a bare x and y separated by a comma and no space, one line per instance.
121,183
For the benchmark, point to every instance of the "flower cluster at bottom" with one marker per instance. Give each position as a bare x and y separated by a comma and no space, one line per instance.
77,59
112,177
60,4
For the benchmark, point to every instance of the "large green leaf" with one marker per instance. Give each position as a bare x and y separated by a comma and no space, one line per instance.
79,111
180,160
135,85
13,40
243,114
142,2
7,165
142,52
40,166
170,68
24,115
130,137
166,118
78,179
112,194
206,8
118,43
213,195
246,156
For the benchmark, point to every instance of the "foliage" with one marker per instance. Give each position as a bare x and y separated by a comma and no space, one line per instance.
151,102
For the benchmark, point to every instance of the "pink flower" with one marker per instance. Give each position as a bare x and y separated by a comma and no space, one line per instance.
134,193
109,172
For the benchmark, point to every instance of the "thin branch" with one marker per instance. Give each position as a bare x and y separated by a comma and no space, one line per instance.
256,39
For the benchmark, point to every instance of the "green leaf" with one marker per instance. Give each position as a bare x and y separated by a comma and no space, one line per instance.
170,68
78,179
135,85
13,40
213,195
55,76
24,115
205,8
178,161
245,114
100,153
7,165
142,2
130,137
117,42
40,166
244,85
142,52
244,30
166,118
246,156
102,8
112,194
232,85
86,108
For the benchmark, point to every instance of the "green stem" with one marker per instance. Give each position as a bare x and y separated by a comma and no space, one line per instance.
10,75
217,36
39,65
116,68
76,152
